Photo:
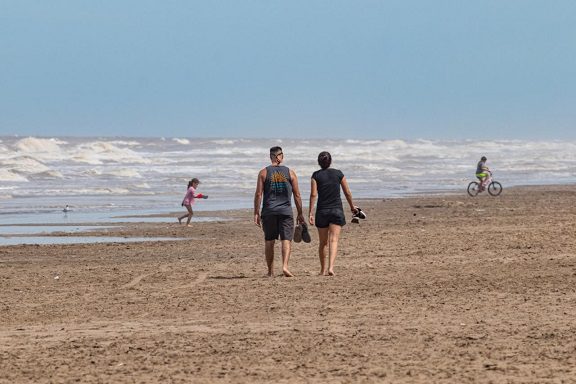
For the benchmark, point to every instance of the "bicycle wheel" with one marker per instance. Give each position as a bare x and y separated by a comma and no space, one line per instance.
473,188
495,188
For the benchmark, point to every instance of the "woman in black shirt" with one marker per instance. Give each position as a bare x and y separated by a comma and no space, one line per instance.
329,218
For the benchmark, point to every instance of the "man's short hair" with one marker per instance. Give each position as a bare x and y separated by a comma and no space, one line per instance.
275,151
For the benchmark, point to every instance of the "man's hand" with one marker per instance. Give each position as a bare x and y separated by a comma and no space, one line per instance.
300,219
257,219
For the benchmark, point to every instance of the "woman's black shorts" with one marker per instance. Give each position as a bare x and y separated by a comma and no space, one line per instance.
326,217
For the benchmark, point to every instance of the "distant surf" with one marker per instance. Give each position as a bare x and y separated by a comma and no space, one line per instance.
43,175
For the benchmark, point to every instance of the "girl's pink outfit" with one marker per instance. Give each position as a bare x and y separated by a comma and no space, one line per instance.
190,196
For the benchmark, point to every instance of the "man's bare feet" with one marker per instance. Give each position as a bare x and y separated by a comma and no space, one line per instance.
322,273
188,225
287,273
331,273
180,221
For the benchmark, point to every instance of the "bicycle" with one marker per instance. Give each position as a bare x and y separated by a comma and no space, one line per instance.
494,187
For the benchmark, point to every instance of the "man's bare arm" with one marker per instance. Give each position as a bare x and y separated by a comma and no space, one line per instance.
258,195
297,197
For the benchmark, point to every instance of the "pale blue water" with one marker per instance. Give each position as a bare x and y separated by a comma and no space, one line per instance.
43,240
28,230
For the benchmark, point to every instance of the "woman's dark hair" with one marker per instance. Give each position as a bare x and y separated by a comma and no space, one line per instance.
324,159
483,158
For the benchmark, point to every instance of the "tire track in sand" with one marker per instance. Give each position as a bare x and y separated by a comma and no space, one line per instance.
201,278
135,281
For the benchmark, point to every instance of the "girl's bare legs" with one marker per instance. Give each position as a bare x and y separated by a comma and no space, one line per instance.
189,215
322,248
333,237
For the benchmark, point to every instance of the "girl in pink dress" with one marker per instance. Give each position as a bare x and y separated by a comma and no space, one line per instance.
189,199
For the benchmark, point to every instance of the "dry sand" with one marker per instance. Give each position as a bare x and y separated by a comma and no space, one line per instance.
437,289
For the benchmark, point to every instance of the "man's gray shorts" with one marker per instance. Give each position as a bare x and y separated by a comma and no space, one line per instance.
278,226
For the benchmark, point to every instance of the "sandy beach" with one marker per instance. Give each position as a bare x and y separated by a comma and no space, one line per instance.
433,289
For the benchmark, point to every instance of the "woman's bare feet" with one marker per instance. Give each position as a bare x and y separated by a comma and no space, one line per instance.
287,273
331,273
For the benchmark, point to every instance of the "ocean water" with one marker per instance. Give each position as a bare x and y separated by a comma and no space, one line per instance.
102,178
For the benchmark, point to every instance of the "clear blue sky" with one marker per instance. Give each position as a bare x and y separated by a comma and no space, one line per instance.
292,68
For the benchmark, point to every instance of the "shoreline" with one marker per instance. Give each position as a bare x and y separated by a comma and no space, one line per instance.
201,217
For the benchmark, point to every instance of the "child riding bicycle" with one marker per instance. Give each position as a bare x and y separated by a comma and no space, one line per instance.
482,172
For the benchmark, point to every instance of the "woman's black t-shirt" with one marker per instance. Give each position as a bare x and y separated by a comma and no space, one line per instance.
328,183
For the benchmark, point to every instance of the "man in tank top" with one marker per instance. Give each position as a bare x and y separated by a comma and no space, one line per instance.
275,188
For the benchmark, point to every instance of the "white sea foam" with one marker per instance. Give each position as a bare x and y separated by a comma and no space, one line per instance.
125,172
24,165
49,174
7,175
141,186
225,142
182,141
92,172
100,152
35,145
131,143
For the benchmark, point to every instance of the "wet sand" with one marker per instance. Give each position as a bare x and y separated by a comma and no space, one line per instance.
437,289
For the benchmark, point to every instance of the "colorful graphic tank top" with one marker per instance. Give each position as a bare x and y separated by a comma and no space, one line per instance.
277,191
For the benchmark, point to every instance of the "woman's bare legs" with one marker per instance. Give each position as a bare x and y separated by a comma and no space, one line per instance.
322,248
333,237
328,247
